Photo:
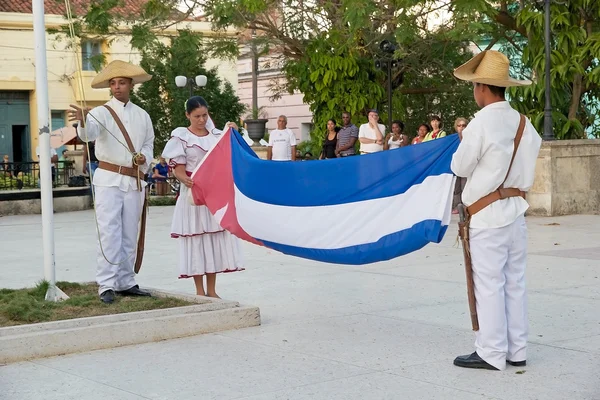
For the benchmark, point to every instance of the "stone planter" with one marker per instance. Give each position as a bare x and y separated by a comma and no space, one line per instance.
256,129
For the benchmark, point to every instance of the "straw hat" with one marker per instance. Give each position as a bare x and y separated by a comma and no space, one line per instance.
120,69
489,67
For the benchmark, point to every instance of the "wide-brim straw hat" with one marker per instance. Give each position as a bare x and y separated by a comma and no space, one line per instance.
120,69
489,67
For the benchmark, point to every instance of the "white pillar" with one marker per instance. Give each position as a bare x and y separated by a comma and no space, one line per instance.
43,110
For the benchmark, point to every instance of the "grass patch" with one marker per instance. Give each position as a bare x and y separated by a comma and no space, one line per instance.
27,306
162,201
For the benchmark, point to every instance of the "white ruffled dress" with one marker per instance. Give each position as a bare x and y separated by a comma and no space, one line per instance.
204,246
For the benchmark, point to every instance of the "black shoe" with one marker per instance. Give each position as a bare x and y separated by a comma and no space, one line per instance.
473,361
517,363
108,296
134,291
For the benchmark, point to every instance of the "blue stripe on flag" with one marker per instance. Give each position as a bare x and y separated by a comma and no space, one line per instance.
342,180
386,248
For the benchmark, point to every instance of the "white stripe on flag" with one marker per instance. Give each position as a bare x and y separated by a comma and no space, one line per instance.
343,225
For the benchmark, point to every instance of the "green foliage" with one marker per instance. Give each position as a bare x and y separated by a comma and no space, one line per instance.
183,56
24,306
10,182
328,50
162,201
575,49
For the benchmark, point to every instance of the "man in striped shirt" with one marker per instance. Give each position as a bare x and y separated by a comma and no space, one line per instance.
347,136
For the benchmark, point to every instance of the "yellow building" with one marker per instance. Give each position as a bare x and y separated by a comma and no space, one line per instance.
18,114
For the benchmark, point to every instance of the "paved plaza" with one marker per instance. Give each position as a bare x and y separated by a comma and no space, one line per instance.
383,331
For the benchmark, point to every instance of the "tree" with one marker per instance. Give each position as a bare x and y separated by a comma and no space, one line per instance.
165,102
327,51
518,27
164,56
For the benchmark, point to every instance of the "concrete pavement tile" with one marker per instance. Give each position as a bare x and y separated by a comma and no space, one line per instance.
363,340
551,317
586,343
342,294
28,381
375,386
585,291
589,253
550,374
207,367
546,272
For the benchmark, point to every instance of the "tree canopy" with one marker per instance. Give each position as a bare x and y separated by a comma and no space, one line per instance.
327,51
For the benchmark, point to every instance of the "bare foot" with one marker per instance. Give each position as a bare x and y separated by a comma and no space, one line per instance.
200,293
215,295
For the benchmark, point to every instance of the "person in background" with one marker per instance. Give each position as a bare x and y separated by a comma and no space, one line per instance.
347,137
6,167
53,161
421,133
331,141
298,155
308,156
160,172
90,166
436,129
371,134
282,142
459,125
396,138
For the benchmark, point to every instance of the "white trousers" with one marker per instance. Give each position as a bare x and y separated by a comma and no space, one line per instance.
499,258
118,215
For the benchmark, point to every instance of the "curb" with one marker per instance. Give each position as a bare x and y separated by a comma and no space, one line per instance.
25,342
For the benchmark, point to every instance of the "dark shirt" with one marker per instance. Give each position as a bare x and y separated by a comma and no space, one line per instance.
92,146
162,170
329,146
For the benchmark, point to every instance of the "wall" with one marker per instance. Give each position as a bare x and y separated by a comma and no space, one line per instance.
567,179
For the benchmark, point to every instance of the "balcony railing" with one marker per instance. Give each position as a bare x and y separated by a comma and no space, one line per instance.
26,175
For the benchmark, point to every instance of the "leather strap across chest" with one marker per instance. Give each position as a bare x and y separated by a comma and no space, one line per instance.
501,192
119,169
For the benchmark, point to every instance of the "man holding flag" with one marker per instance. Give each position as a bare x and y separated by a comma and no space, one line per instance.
497,155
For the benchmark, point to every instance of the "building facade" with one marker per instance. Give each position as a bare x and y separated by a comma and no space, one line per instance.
66,70
291,105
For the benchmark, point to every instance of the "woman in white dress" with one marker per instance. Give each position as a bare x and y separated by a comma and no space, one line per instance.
205,248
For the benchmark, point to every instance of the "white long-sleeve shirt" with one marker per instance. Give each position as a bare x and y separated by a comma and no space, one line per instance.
108,149
483,157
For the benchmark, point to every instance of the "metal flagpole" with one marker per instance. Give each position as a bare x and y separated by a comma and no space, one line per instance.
43,111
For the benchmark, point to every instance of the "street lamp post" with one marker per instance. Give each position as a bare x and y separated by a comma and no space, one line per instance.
182,81
548,129
388,63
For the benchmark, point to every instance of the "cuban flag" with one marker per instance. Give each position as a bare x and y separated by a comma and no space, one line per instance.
351,210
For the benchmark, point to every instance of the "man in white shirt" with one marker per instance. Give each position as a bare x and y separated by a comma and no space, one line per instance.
371,134
494,196
119,191
282,142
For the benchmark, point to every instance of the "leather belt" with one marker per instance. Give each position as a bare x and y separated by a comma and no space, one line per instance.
499,194
119,169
